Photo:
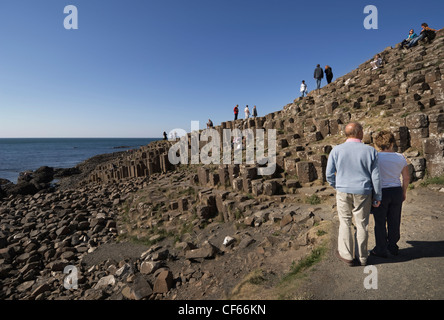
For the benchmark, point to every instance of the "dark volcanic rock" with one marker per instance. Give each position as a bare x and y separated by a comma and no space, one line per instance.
29,182
67,172
22,188
43,175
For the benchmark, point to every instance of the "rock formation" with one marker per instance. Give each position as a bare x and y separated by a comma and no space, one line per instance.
188,224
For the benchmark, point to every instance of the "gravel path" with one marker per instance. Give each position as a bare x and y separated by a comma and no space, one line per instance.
417,273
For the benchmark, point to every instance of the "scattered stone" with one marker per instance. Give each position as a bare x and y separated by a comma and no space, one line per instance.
286,219
164,282
40,289
149,267
246,241
206,251
160,255
228,240
104,282
124,271
25,286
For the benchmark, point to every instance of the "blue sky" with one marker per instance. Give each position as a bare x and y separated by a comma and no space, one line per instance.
136,68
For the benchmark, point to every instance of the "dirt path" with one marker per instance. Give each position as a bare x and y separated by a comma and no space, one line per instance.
417,273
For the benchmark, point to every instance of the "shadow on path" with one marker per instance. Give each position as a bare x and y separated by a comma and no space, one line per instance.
418,250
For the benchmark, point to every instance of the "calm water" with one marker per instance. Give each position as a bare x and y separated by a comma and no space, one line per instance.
18,155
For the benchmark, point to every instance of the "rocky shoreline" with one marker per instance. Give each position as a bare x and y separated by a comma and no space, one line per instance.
43,232
56,227
46,179
87,225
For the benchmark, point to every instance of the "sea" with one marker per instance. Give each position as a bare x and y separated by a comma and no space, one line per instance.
21,154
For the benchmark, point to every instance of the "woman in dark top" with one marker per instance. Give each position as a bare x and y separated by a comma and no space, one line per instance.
328,73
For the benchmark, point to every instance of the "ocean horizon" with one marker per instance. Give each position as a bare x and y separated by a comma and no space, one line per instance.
21,154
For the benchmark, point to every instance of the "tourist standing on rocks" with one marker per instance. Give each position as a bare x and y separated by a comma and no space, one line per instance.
328,74
254,112
247,112
352,169
387,216
236,111
318,75
209,124
165,136
303,88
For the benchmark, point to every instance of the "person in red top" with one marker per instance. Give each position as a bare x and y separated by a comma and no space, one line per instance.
236,111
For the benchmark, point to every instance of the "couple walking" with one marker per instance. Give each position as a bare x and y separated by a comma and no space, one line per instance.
364,178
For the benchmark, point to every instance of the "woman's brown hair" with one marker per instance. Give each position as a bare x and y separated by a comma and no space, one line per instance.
384,140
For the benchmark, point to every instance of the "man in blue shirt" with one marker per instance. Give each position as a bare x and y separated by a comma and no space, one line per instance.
352,169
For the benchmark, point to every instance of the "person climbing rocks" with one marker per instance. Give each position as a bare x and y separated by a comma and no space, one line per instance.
328,74
236,111
254,112
318,75
247,112
303,88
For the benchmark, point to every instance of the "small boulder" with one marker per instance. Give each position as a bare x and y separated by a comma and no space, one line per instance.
164,282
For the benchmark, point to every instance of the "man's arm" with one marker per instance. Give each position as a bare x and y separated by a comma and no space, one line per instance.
376,181
330,172
405,181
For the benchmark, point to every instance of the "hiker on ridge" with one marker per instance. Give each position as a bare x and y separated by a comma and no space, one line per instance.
328,74
247,112
318,75
236,111
254,112
303,88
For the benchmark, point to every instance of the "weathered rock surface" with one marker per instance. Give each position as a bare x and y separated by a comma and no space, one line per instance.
179,216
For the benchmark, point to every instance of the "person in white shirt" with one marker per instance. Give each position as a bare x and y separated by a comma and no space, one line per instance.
247,112
303,88
377,63
392,166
